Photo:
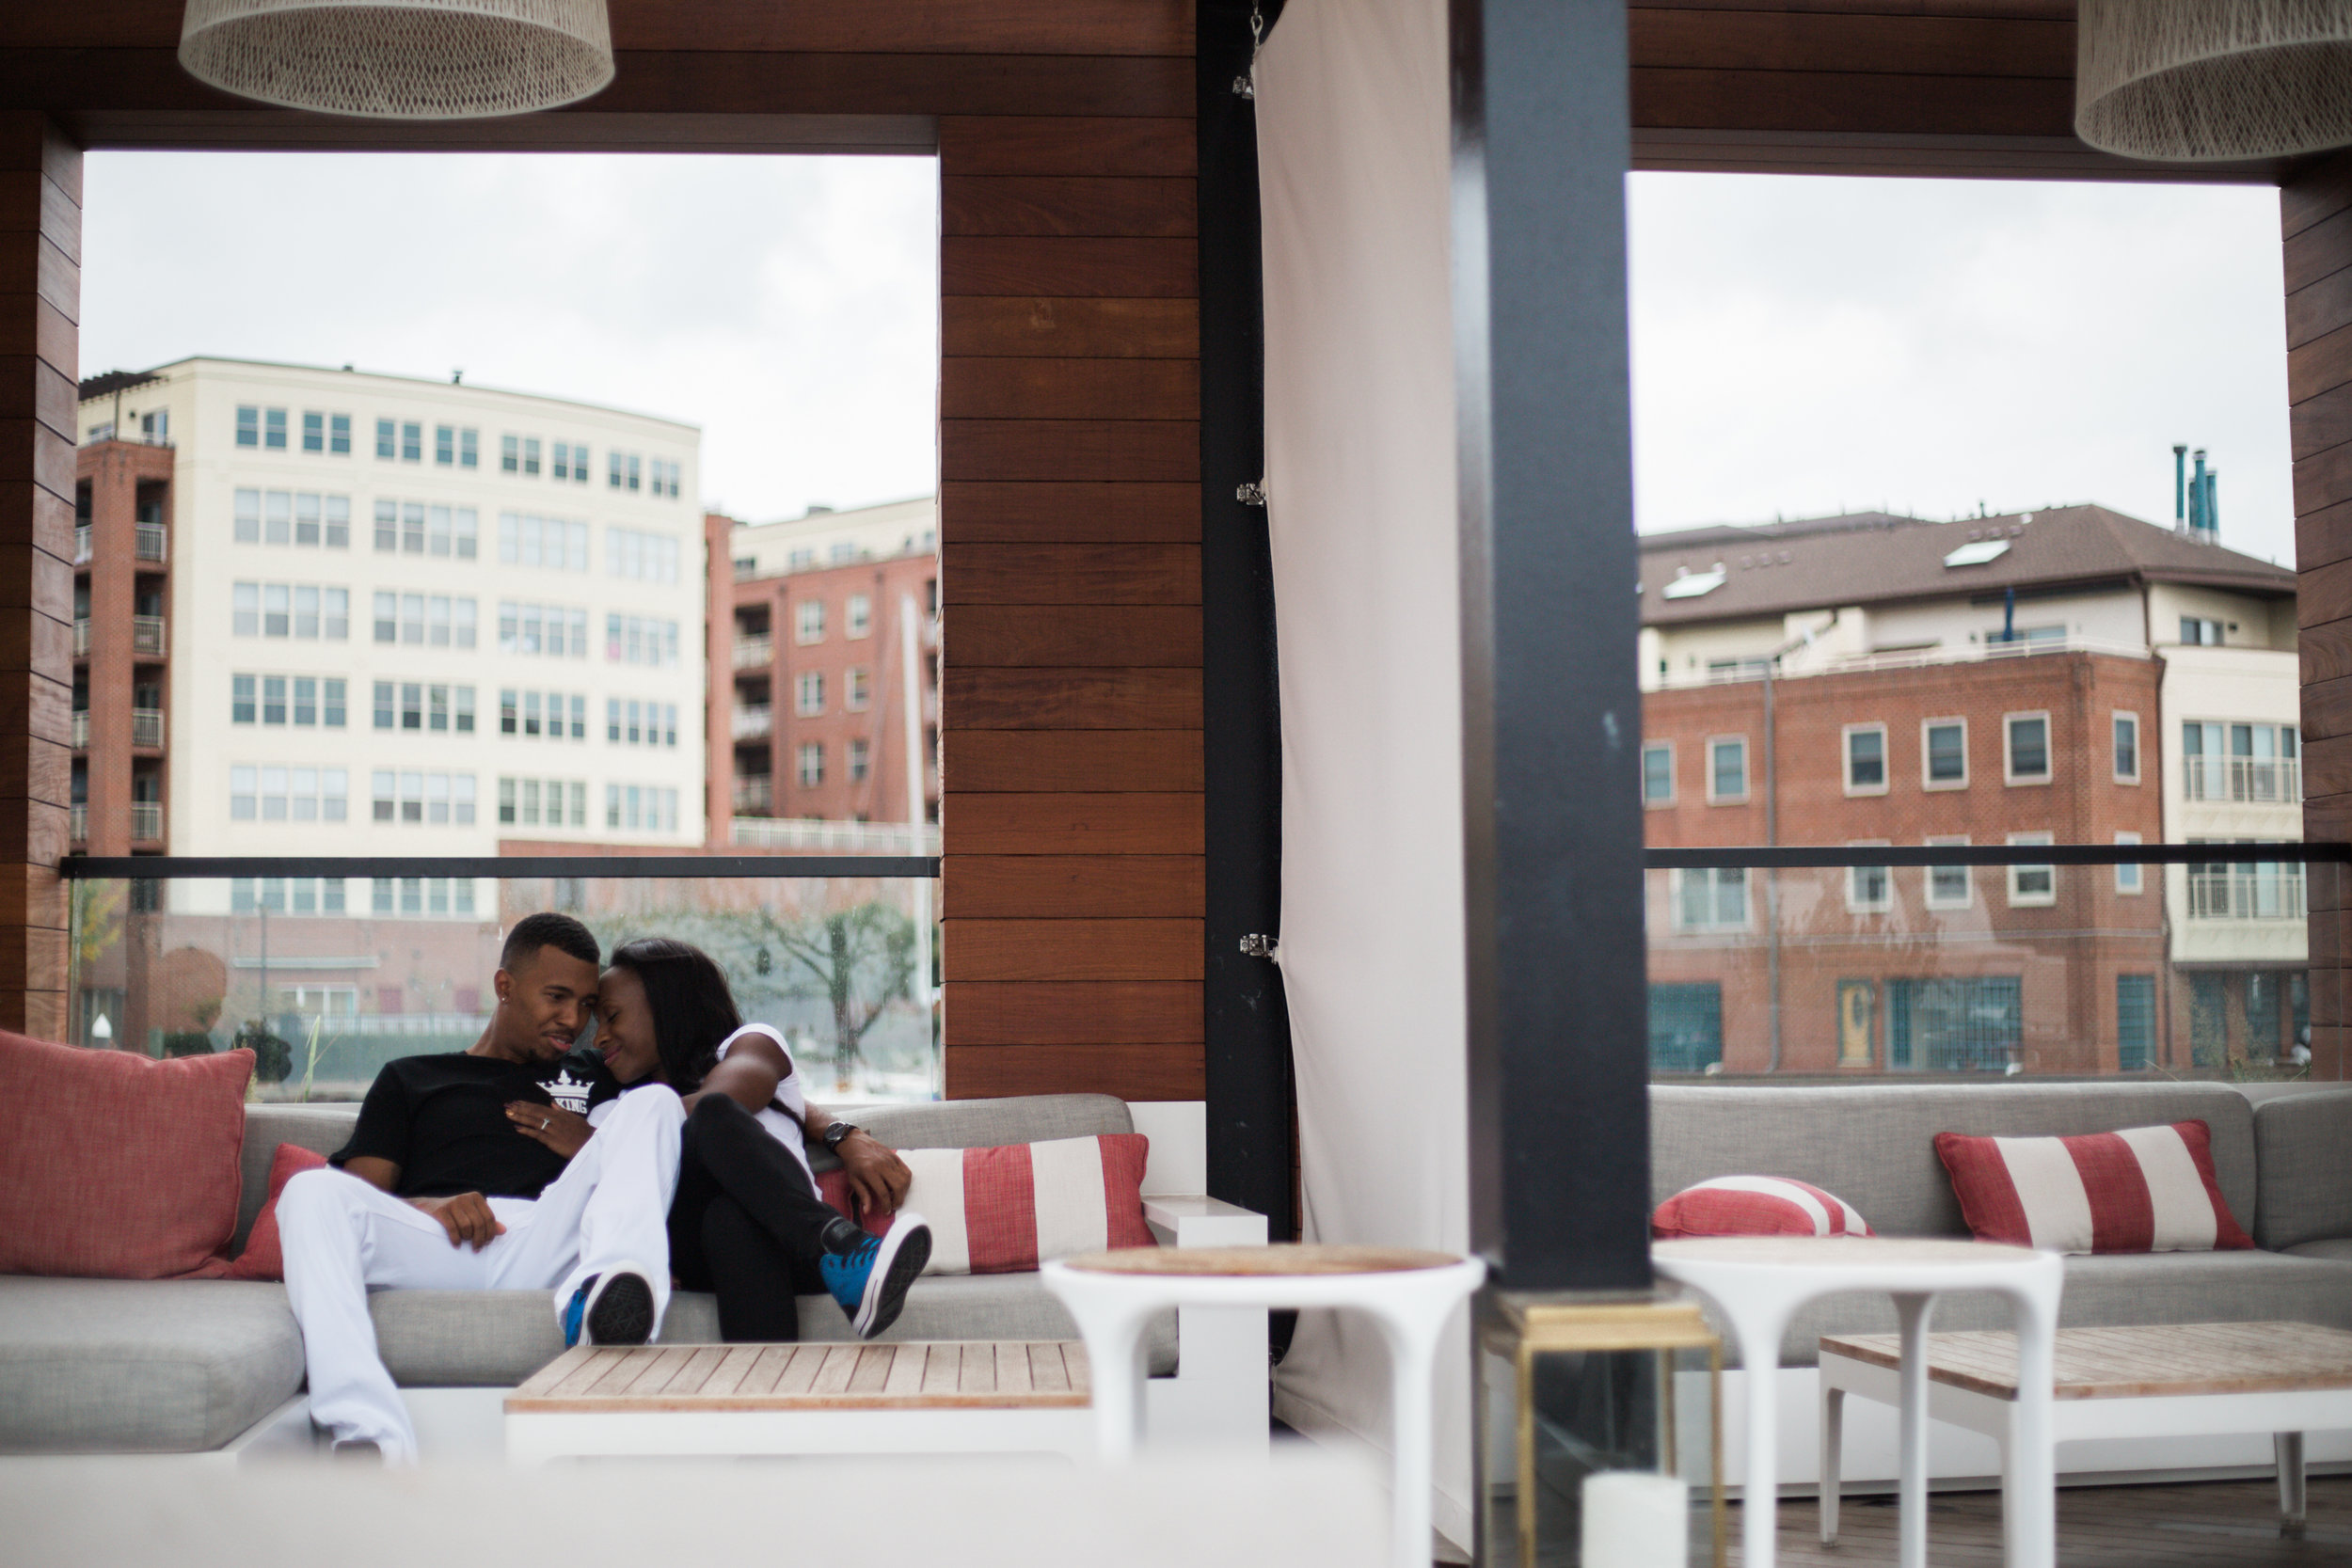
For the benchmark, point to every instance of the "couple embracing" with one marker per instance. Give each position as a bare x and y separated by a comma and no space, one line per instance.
672,1147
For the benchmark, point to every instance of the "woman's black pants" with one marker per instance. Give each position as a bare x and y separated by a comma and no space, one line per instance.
746,1224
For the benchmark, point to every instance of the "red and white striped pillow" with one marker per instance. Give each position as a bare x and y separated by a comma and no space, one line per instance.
1005,1209
2144,1189
1757,1205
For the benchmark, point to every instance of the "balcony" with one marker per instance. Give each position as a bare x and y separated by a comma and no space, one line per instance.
78,824
845,838
147,821
81,637
2250,781
81,544
754,795
754,653
147,636
81,729
147,541
753,723
2275,893
147,727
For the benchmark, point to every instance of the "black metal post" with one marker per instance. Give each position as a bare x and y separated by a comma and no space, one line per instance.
1551,711
1248,1053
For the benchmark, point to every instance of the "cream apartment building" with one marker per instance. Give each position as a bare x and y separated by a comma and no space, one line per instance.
410,617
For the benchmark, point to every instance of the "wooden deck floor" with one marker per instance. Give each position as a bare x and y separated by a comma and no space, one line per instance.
2213,1524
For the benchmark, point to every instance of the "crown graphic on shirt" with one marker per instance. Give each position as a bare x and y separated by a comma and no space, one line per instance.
569,1092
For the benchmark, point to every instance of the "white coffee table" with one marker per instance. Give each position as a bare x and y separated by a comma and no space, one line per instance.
911,1397
2173,1380
1759,1282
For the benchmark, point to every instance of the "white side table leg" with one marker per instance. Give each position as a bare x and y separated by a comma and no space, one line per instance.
1758,1325
1833,1459
1412,1338
2292,1499
2032,1467
1911,1312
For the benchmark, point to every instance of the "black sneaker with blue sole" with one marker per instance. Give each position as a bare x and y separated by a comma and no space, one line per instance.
871,1281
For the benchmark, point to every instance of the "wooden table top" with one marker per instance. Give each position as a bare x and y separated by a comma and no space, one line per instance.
1280,1258
2132,1363
912,1375
1815,1252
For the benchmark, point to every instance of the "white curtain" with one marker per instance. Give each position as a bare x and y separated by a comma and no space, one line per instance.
1353,152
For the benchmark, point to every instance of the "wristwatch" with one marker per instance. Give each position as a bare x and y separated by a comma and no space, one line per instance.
839,1131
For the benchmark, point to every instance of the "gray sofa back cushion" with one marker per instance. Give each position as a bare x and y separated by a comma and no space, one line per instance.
1874,1143
938,1124
2305,1145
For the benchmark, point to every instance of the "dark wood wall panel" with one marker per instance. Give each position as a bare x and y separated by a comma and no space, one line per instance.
2315,220
1069,579
40,248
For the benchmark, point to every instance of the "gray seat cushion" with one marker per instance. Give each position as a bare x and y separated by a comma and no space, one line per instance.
2336,1249
321,1129
2113,1290
2305,1145
1874,1144
446,1338
140,1365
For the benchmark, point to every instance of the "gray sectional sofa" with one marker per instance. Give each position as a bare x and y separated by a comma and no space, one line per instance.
2284,1161
185,1365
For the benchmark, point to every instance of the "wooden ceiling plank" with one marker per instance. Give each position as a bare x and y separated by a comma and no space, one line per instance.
1108,636
975,513
984,325
1088,207
1907,45
1146,761
1056,145
1070,389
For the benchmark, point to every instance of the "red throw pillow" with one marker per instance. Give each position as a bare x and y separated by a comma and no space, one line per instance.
262,1256
119,1166
1005,1209
2144,1189
1757,1205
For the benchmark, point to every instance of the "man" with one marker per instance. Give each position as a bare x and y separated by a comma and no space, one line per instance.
438,1188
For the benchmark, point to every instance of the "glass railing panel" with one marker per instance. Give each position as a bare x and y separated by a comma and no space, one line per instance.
328,977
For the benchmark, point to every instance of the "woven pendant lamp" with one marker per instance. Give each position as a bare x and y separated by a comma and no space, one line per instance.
2196,81
401,59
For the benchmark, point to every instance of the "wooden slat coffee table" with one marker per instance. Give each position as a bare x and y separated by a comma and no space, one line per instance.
2177,1379
936,1396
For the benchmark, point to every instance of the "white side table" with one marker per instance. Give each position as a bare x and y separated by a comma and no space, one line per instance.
1760,1282
1410,1295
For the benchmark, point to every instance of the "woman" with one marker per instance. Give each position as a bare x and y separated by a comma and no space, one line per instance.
747,1223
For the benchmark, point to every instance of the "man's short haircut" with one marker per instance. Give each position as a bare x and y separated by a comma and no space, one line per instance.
559,932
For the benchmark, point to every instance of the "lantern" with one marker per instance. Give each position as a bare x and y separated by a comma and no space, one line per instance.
2191,81
401,59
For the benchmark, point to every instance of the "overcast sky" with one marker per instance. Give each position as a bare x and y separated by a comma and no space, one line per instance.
1801,346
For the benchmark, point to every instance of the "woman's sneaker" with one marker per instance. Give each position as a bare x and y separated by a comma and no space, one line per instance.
871,1280
614,1308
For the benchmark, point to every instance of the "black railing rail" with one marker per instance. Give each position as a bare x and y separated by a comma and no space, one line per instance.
506,867
1842,856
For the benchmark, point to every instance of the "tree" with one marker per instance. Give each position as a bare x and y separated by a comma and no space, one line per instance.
97,918
862,960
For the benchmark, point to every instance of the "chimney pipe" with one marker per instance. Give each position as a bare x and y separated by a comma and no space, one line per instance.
2213,506
2180,488
2196,493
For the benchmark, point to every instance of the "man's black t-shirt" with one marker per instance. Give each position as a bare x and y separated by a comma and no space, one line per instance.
442,1120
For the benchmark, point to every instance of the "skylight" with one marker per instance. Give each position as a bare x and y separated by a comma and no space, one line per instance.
1694,585
1977,553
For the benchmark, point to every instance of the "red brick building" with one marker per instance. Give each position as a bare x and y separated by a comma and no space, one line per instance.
810,689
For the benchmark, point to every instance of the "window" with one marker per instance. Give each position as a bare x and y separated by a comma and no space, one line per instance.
841,551
543,802
313,431
274,793
1870,889
647,806
241,699
274,429
861,615
419,798
469,451
338,435
665,478
613,469
1952,1024
637,639
510,454
560,461
1727,768
2127,747
1714,899
411,442
445,445
809,693
248,527
2128,879
552,715
296,896
528,541
1948,886
387,440
1866,759
2201,632
857,694
809,621
1686,1025
2252,763
2032,886
272,698
2135,1022
859,763
645,557
556,632
2027,750
387,706
1658,774
248,425
1944,754
302,611
276,518
632,471
812,764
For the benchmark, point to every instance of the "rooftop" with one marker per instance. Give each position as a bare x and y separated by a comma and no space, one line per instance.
111,382
1727,573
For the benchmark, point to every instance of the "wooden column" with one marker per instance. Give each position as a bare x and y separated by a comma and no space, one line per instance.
40,249
1069,522
2315,216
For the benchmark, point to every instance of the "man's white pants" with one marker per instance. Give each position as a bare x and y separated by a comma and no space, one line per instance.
609,1208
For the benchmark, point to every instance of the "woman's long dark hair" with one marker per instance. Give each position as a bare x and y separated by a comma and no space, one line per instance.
692,1010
